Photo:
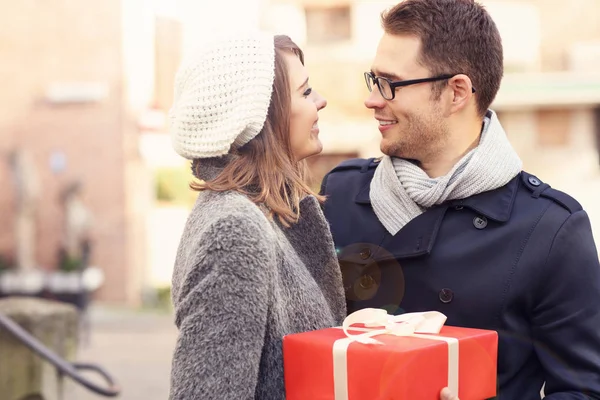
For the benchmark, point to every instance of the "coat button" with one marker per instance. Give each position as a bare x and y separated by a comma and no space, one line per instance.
365,253
365,287
534,181
480,222
367,282
446,295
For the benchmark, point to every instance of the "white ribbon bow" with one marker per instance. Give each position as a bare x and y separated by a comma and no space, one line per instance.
419,324
398,325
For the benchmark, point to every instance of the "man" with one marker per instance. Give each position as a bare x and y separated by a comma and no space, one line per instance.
448,221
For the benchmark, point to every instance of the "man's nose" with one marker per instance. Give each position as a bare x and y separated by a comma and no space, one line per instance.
375,100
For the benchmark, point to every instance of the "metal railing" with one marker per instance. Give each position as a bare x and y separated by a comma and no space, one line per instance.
64,367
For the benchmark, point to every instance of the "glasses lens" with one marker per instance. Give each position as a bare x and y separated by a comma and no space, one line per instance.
369,81
385,88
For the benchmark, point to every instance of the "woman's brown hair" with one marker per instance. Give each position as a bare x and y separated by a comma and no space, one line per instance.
264,169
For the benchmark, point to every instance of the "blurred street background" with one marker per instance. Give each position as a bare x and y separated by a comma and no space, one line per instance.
90,181
135,347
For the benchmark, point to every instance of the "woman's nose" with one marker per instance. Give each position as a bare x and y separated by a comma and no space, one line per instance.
321,102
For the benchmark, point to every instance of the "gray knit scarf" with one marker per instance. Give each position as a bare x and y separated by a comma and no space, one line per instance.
400,190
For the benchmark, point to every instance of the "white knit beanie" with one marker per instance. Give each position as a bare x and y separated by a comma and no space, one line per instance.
222,95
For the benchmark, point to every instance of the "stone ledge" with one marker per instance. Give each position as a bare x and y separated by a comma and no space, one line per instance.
24,373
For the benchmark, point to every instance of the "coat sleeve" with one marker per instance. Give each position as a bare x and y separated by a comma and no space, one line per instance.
566,315
222,314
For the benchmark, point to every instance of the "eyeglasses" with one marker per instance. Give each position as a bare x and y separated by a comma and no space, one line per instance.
387,87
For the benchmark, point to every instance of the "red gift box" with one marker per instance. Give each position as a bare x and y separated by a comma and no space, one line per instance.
407,357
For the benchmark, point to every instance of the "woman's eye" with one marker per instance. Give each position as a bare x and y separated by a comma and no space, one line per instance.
307,92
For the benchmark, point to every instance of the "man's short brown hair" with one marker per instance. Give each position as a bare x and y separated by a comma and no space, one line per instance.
457,36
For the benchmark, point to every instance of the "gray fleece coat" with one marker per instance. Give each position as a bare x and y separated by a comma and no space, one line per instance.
241,282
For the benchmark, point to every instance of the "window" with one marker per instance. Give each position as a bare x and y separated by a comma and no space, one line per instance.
328,25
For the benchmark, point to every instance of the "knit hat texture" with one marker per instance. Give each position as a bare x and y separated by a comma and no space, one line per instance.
222,95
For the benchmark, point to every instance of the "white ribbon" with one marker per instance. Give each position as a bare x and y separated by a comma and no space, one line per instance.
419,324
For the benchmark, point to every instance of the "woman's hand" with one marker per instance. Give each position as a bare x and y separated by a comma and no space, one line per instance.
446,394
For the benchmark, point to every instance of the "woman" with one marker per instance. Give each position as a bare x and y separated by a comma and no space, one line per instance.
256,260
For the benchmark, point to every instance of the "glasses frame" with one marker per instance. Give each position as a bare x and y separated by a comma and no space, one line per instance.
370,77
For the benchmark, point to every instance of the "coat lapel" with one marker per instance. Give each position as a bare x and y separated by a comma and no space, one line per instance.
495,204
417,238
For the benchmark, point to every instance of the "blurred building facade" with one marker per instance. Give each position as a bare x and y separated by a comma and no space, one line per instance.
79,80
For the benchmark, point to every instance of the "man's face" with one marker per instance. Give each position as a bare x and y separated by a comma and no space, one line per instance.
412,125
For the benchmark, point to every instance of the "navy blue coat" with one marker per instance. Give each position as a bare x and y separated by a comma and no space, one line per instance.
520,260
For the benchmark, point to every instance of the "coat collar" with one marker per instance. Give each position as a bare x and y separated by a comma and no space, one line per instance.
495,204
207,169
418,237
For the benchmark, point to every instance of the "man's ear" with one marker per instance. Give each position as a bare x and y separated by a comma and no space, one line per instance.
462,91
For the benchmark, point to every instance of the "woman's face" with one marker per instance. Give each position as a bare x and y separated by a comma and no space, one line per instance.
306,103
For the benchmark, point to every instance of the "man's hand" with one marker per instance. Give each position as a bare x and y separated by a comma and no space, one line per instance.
446,394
